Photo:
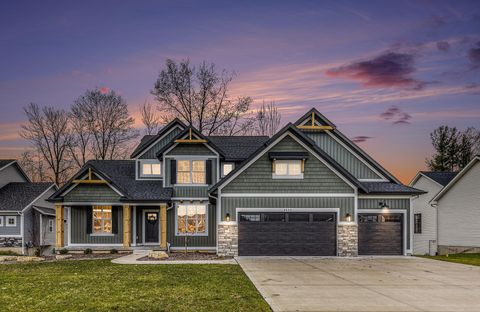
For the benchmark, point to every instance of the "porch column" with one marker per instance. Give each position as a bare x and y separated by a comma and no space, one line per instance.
127,224
59,226
163,225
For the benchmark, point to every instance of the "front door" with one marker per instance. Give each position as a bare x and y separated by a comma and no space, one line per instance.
151,227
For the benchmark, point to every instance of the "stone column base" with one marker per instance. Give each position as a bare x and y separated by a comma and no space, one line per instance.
347,237
10,242
227,239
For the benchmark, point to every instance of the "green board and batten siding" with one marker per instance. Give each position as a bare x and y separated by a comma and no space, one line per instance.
189,149
257,178
99,193
190,191
335,150
192,241
393,203
78,223
229,204
152,152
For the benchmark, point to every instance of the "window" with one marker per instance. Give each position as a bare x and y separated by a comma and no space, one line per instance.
391,218
227,168
417,223
150,168
250,217
1,221
274,217
298,217
191,220
322,217
191,172
11,221
50,226
102,219
288,169
368,218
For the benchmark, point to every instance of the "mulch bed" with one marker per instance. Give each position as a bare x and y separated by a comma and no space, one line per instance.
93,256
181,256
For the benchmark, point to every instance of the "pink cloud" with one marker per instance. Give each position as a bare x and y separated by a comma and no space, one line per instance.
104,90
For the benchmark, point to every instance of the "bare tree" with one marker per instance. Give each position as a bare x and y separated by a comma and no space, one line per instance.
34,166
48,131
199,96
267,119
150,118
102,125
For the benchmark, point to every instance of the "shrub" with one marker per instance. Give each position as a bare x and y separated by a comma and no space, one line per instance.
63,251
113,251
87,251
53,251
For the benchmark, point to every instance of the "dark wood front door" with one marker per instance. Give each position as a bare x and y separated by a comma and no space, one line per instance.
380,234
287,234
151,227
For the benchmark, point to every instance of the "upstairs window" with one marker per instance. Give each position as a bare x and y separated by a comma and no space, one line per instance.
191,172
287,169
150,168
226,168
417,223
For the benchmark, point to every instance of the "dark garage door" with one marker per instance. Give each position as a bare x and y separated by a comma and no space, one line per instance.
287,234
380,234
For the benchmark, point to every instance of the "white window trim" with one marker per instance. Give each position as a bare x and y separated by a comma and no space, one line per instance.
227,163
1,220
191,173
287,176
143,176
51,226
8,218
195,234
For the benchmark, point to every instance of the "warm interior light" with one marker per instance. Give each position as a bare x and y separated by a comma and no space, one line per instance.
348,217
227,217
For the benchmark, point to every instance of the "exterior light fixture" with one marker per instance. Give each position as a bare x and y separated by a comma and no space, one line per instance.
227,217
348,217
383,205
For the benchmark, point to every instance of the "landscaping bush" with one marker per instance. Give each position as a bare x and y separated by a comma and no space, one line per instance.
113,251
63,251
87,251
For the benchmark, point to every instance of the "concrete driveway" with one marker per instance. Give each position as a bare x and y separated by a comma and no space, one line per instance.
364,284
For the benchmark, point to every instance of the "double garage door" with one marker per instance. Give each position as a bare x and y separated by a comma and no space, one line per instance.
314,234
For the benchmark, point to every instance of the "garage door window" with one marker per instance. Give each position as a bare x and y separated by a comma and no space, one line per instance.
250,218
391,218
368,219
274,217
298,217
322,217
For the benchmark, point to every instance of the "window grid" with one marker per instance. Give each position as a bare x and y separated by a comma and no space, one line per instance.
191,172
102,220
191,220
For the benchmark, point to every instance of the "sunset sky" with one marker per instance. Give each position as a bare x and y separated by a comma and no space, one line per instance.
386,73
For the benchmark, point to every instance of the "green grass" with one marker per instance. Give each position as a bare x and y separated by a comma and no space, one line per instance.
99,285
472,259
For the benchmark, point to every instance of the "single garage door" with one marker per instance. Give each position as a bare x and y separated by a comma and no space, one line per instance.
380,234
287,234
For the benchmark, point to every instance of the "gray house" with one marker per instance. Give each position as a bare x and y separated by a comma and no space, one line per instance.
446,218
26,218
308,190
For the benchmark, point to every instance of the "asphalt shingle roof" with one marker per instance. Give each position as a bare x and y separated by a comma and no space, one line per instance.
389,188
4,162
144,142
441,177
122,175
238,148
17,195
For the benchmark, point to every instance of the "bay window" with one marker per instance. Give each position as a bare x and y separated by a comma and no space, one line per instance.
191,172
191,219
102,220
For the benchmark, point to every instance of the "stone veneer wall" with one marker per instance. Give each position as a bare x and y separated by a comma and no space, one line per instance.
227,239
10,242
347,236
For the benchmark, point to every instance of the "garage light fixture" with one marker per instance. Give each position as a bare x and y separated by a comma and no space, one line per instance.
227,217
384,205
348,217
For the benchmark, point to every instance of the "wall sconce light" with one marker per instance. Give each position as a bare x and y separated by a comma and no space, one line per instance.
383,205
348,217
227,217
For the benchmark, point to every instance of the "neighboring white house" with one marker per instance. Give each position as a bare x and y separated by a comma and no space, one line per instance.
424,215
449,215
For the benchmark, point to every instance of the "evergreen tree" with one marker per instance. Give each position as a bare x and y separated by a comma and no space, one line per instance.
441,141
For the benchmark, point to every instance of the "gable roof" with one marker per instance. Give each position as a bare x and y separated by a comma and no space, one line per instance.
303,138
339,135
5,163
120,174
238,148
442,178
16,196
456,179
148,140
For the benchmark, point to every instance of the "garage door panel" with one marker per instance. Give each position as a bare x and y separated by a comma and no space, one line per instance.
270,238
380,235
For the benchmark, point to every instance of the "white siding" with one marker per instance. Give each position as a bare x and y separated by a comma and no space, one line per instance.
459,212
425,243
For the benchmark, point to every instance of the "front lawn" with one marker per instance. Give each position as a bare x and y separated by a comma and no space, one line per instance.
99,285
472,259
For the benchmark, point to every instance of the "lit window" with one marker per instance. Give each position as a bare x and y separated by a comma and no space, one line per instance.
150,168
191,172
227,168
102,219
50,226
191,220
288,169
11,221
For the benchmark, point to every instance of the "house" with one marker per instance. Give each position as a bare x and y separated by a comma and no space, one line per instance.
26,218
308,190
446,218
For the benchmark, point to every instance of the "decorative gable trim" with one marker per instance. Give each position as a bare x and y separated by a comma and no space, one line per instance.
178,126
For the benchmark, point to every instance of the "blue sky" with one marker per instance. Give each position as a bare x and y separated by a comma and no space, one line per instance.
389,72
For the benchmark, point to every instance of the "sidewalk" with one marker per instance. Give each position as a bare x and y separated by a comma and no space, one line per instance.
137,254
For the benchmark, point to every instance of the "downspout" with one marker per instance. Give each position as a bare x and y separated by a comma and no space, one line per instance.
216,221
